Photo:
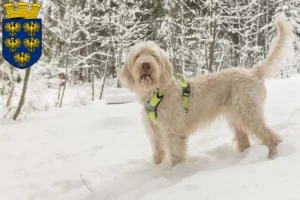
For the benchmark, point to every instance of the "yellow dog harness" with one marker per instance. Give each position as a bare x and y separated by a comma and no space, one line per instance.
151,106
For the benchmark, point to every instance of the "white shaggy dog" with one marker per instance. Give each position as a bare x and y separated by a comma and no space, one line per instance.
235,93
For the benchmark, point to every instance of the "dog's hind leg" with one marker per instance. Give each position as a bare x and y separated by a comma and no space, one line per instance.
268,137
252,119
241,137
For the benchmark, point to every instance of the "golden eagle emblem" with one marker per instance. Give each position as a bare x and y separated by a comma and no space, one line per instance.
12,28
12,43
22,58
31,44
31,28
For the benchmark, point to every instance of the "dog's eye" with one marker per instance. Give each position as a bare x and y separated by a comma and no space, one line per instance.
154,55
137,56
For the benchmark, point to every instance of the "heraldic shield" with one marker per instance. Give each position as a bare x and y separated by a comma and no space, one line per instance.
22,41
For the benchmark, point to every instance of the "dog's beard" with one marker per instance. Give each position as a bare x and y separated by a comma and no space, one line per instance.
147,81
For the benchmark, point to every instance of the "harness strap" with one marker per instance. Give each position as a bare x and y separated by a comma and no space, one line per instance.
151,106
185,91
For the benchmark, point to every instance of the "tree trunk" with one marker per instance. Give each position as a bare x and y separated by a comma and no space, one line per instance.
267,5
92,68
182,40
213,33
120,39
109,50
111,44
93,84
104,75
205,46
59,89
12,89
65,83
200,67
67,63
22,99
240,45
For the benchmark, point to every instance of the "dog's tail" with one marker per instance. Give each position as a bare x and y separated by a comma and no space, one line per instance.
279,50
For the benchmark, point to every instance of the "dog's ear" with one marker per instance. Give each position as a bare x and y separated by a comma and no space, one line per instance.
167,70
126,77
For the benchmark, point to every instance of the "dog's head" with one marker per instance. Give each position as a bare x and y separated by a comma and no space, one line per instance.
147,67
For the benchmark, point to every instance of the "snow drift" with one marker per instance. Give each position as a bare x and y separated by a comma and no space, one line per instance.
55,155
119,95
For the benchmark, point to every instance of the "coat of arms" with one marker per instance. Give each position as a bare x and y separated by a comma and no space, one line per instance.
22,34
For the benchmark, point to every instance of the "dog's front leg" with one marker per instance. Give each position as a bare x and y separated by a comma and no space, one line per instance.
157,148
156,144
155,140
177,147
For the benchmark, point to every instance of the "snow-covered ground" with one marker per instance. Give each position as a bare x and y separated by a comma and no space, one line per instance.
47,157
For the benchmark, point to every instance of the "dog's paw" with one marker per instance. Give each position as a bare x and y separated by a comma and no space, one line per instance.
273,149
157,159
177,160
272,154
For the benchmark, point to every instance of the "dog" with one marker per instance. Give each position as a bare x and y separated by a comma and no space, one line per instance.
238,94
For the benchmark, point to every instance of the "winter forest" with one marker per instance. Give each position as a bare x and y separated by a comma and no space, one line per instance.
70,130
85,43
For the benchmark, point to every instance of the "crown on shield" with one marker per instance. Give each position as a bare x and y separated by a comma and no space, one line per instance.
23,10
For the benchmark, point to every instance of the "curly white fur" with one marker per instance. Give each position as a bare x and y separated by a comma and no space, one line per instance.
236,93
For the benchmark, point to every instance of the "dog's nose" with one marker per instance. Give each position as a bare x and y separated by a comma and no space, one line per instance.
146,66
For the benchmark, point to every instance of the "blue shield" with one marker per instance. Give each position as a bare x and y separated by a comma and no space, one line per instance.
22,41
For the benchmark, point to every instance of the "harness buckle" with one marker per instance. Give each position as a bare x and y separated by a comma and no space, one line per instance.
186,91
149,108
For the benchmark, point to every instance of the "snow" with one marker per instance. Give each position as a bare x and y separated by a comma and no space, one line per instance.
119,95
47,156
